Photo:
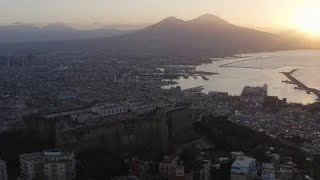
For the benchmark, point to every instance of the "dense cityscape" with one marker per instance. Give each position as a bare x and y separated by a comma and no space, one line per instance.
76,108
159,90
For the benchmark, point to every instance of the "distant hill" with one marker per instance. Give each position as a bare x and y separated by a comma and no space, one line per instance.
53,32
207,35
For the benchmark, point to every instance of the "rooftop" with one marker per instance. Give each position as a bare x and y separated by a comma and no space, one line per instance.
243,165
32,156
268,166
243,162
41,155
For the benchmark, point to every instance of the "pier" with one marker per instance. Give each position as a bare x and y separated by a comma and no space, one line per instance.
300,85
244,60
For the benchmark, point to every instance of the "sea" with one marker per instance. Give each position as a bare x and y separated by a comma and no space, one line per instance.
257,69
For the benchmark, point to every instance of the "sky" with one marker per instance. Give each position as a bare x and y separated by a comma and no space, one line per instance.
273,14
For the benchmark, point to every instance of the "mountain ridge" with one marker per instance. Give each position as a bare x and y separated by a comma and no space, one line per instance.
21,33
206,35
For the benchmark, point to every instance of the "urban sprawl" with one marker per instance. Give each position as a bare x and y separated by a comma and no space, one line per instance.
82,110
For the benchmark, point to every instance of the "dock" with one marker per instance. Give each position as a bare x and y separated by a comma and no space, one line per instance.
300,85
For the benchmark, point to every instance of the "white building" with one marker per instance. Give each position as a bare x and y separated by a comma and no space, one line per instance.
268,171
141,107
3,170
109,109
48,166
243,168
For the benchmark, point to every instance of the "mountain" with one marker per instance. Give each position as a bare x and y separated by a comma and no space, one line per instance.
52,32
207,34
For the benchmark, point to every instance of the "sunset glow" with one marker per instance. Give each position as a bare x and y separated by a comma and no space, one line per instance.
308,21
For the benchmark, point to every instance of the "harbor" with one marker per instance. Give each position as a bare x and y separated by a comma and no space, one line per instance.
299,84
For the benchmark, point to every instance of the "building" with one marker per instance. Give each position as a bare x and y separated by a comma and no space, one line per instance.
141,106
180,171
181,174
273,103
285,171
275,159
243,168
129,129
109,109
180,125
268,171
218,95
254,94
59,166
48,165
235,155
203,172
168,167
32,166
17,61
3,170
142,169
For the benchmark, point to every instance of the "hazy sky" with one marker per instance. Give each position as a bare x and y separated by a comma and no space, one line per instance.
253,13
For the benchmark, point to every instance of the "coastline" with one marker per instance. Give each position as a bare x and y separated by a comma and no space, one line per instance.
234,79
